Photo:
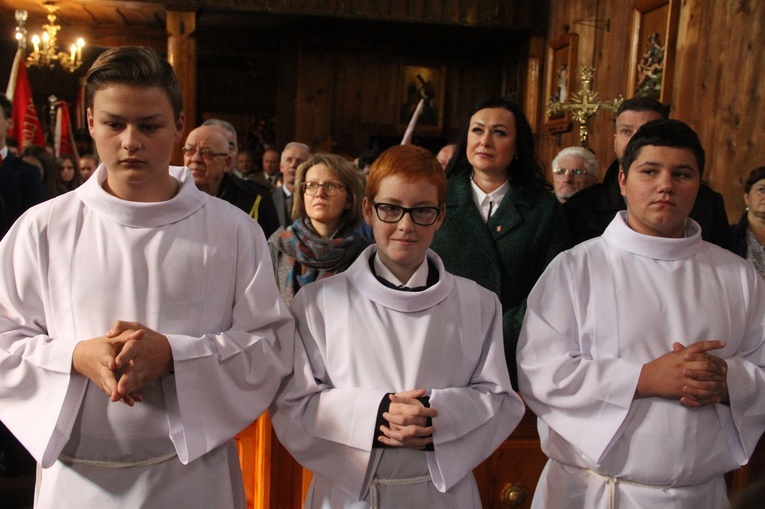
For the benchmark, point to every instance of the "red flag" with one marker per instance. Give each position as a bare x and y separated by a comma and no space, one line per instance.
63,141
26,125
80,116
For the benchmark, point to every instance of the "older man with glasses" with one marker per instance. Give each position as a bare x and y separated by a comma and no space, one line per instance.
206,153
573,169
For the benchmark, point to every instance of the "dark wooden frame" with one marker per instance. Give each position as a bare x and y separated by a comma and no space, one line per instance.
648,17
561,51
436,77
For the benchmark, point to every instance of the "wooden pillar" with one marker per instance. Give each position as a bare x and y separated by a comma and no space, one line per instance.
182,55
532,88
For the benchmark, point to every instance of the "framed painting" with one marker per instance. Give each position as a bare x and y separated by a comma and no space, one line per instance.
561,77
652,49
427,83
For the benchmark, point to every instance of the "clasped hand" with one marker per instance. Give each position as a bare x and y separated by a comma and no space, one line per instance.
688,373
407,418
124,360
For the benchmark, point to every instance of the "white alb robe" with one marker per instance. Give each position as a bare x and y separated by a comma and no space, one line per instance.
193,268
597,314
364,340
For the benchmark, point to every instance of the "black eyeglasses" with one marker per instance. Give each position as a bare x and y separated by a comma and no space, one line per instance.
204,153
389,213
330,188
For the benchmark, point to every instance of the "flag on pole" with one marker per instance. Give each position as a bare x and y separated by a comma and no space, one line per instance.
26,124
80,108
63,141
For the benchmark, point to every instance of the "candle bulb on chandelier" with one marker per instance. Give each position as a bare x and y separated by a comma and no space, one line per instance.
80,44
36,43
72,51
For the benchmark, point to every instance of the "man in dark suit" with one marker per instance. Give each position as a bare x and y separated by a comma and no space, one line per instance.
20,183
293,155
207,154
20,188
591,210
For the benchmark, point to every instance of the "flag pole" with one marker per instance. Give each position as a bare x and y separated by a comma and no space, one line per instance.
410,129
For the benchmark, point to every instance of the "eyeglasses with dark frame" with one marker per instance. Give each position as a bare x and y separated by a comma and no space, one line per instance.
330,188
577,173
204,153
390,213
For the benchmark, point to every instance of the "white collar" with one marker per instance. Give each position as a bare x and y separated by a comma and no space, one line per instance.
488,202
361,277
143,214
620,235
419,278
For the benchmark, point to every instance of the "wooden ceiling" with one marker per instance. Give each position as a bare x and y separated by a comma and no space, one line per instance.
224,23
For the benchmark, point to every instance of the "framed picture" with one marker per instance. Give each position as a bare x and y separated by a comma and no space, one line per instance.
561,78
652,49
422,82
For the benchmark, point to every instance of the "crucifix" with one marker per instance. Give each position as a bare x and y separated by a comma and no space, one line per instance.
583,104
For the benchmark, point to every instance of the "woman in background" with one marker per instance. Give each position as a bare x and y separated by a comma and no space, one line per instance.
749,232
68,173
502,225
39,156
323,239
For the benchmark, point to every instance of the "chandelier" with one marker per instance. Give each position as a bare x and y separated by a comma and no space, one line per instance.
45,51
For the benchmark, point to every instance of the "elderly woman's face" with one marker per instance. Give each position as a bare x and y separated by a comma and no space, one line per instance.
755,198
491,141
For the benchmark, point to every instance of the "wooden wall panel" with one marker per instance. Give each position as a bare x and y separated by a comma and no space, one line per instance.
580,18
717,88
722,93
354,96
314,105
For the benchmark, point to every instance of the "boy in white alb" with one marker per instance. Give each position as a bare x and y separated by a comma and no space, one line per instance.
140,325
404,389
642,351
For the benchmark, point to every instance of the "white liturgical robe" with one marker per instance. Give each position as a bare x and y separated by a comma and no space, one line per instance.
193,268
364,340
598,313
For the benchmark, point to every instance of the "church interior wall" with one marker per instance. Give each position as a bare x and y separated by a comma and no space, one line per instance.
717,87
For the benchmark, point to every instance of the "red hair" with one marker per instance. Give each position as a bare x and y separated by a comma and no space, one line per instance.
411,163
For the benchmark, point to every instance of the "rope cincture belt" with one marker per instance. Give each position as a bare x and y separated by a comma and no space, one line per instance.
118,464
613,481
373,493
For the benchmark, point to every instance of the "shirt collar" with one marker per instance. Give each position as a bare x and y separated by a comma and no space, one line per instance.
419,278
487,201
4,152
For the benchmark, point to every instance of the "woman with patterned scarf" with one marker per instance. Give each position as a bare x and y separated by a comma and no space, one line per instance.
323,240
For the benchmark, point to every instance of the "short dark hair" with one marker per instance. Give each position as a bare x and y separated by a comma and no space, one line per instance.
755,176
643,104
526,171
664,132
7,106
137,66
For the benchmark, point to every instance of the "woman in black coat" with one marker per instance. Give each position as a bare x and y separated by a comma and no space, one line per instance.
503,225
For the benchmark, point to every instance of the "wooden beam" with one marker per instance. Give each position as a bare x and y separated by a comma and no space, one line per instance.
182,55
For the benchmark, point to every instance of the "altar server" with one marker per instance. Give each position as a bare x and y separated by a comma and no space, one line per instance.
642,350
140,325
401,388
